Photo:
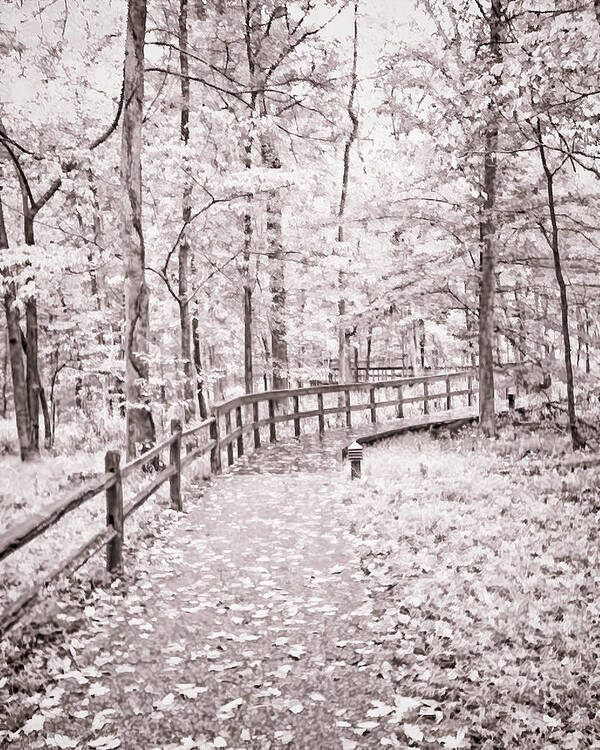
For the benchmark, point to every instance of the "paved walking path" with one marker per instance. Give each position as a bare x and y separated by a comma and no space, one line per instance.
248,624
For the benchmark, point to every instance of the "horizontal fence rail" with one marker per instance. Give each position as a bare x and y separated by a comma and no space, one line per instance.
233,425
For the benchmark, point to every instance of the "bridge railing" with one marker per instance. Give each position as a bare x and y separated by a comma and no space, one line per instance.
252,417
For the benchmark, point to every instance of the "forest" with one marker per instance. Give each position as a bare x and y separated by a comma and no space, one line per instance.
262,190
212,211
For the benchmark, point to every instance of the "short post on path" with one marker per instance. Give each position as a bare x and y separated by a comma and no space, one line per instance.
355,456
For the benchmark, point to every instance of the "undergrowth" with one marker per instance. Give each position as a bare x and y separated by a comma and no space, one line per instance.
487,579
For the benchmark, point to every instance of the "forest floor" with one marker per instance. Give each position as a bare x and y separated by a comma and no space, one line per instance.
448,599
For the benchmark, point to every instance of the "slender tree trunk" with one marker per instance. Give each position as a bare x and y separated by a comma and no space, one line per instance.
31,335
344,367
553,240
248,365
487,283
140,425
248,287
36,395
184,247
279,348
248,233
5,375
17,368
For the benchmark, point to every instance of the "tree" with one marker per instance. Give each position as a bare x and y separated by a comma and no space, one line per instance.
140,424
345,332
487,414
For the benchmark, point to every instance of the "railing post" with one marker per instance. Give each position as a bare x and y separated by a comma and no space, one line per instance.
348,409
114,513
400,407
272,428
373,407
470,390
227,434
296,419
240,425
321,415
175,460
215,454
448,395
255,429
425,397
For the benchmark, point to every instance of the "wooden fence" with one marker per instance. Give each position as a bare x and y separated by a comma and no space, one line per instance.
226,432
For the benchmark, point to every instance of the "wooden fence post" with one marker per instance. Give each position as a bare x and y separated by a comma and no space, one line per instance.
255,429
425,397
321,415
239,424
448,396
175,460
470,390
272,428
348,409
373,407
400,407
227,434
296,419
114,513
215,454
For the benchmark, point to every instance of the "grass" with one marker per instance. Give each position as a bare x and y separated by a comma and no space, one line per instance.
487,579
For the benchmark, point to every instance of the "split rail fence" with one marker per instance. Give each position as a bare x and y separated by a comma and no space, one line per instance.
226,434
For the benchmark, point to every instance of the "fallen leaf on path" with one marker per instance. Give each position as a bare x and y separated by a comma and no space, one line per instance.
189,690
296,651
165,702
380,710
97,689
413,732
284,736
59,740
105,743
34,724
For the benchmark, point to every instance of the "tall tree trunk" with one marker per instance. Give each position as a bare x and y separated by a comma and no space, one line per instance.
248,233
31,334
552,239
17,368
5,376
248,364
140,425
344,334
487,282
279,349
35,392
184,246
248,289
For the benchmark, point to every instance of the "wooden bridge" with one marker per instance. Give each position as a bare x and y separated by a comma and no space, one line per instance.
236,426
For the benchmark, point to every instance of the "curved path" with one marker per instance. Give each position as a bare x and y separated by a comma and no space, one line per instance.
247,625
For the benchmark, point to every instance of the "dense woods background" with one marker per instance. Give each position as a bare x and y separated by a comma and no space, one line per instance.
210,196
